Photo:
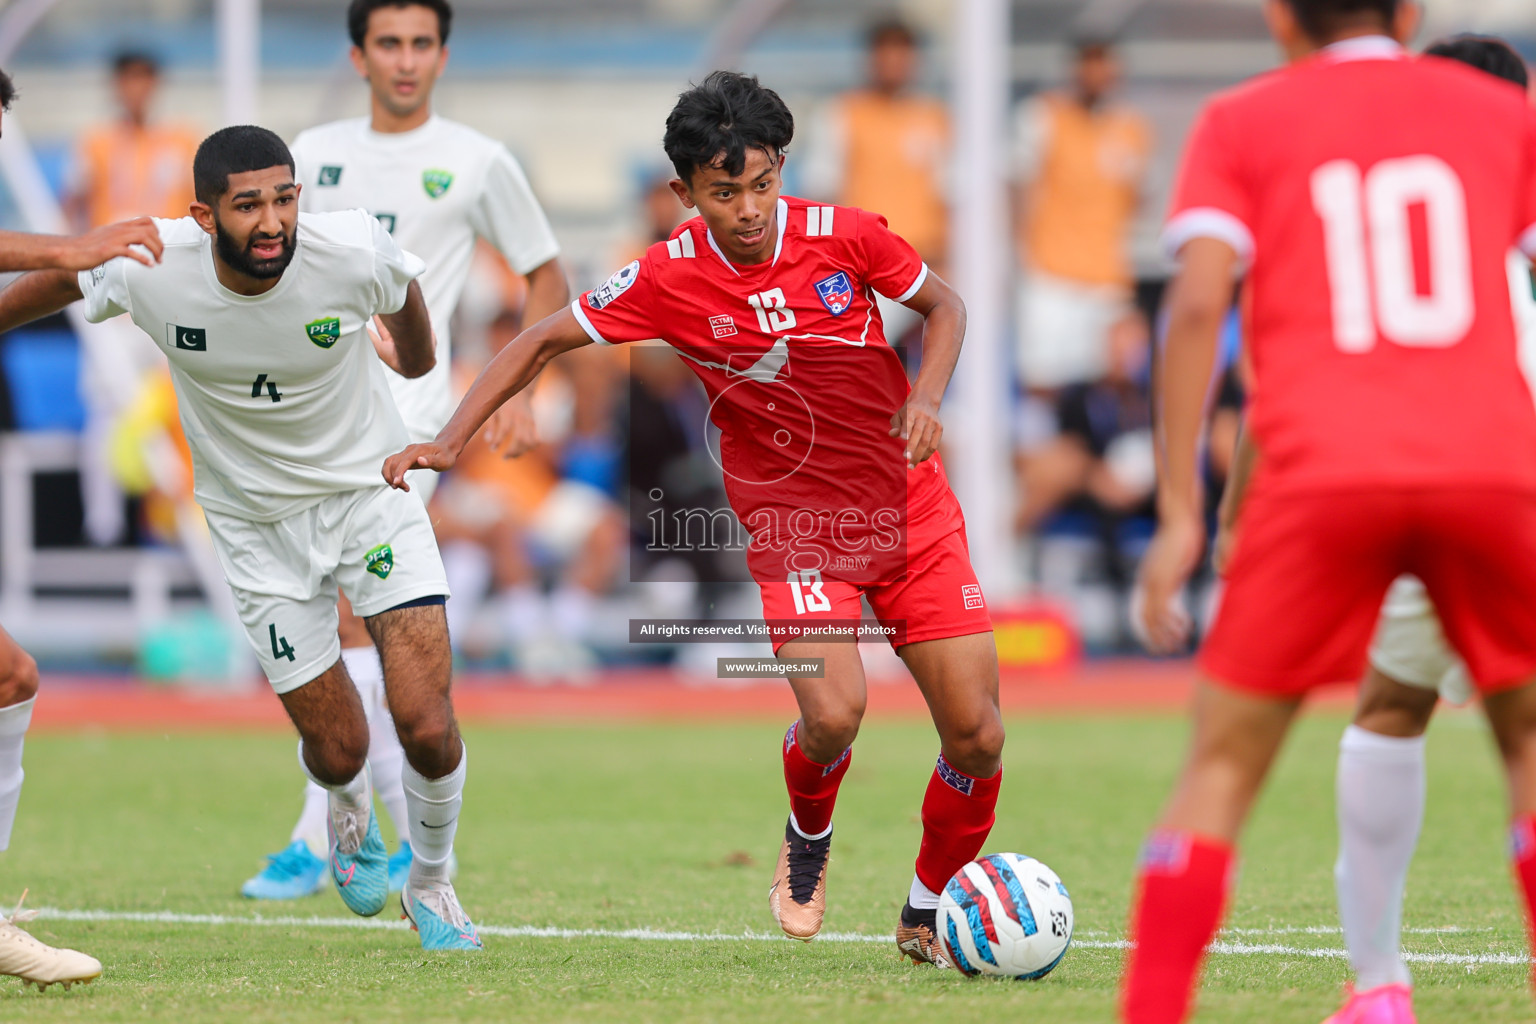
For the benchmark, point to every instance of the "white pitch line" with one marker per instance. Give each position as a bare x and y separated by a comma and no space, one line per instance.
657,935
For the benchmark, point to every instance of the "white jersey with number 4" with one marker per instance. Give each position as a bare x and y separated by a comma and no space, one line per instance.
283,399
435,189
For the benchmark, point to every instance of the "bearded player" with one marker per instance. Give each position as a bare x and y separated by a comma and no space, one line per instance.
437,187
1397,432
263,314
830,462
21,955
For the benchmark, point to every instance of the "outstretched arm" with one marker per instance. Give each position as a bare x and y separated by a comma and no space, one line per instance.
917,422
136,239
513,369
36,295
511,430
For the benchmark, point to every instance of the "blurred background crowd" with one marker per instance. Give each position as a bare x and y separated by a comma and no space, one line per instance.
551,554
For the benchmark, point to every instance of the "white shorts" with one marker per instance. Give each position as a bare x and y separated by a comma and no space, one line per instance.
1063,330
376,545
1411,648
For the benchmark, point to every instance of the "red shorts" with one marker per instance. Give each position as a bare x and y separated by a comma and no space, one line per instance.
939,597
1310,571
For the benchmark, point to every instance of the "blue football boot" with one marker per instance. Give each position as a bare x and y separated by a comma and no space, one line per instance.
435,914
359,861
290,874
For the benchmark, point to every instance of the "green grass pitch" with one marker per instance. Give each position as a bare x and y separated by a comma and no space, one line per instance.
615,827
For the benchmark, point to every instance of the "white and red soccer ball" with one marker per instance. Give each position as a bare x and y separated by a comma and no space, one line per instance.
1007,916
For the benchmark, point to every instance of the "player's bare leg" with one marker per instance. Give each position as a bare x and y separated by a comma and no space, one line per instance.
958,678
20,954
291,875
1380,806
333,751
817,751
418,676
1187,863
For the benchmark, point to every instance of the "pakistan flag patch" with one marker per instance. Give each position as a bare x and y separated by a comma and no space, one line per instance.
437,183
380,561
324,332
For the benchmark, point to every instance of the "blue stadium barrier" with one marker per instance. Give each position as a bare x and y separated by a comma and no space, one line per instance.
42,369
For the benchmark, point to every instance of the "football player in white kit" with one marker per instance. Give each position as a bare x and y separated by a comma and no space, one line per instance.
437,187
21,955
1381,774
263,314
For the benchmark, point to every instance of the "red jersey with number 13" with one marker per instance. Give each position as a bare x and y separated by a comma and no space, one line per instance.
801,381
1375,197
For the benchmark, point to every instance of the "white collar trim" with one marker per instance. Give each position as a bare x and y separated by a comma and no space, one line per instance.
781,213
1364,48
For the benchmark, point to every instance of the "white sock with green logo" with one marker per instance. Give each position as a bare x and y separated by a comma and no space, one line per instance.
434,805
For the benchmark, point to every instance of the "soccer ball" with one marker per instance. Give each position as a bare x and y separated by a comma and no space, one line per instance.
1007,916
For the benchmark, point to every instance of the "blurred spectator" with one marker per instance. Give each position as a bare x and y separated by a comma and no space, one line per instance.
1102,456
660,213
1078,163
885,148
507,525
128,167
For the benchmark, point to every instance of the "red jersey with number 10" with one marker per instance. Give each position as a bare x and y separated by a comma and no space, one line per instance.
801,381
1375,197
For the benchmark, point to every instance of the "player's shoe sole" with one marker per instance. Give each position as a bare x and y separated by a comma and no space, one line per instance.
37,963
798,895
1389,1004
361,876
290,874
436,916
917,937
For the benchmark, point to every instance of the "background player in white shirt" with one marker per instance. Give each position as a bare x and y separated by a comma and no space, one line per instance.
21,955
436,186
263,314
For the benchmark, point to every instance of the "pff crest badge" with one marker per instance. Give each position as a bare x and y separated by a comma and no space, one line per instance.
437,183
836,293
380,561
324,332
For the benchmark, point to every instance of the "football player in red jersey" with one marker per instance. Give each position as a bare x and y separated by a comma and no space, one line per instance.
831,463
1396,429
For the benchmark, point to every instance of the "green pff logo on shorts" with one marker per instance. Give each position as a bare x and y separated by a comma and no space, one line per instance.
324,332
437,183
380,561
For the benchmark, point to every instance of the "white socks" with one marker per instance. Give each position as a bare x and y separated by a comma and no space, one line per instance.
13,734
921,897
1380,809
434,806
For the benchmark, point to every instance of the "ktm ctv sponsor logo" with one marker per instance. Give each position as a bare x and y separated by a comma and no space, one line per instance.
722,326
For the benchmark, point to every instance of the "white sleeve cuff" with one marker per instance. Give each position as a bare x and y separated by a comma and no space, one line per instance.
586,325
1207,222
1527,243
922,278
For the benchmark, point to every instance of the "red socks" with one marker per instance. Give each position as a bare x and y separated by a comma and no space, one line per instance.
812,786
958,812
1182,894
1522,852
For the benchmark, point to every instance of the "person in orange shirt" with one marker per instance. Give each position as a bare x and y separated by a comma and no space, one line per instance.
1078,163
128,167
885,148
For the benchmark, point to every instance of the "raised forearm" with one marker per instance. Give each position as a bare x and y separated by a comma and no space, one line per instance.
943,335
36,295
20,251
411,328
1183,382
